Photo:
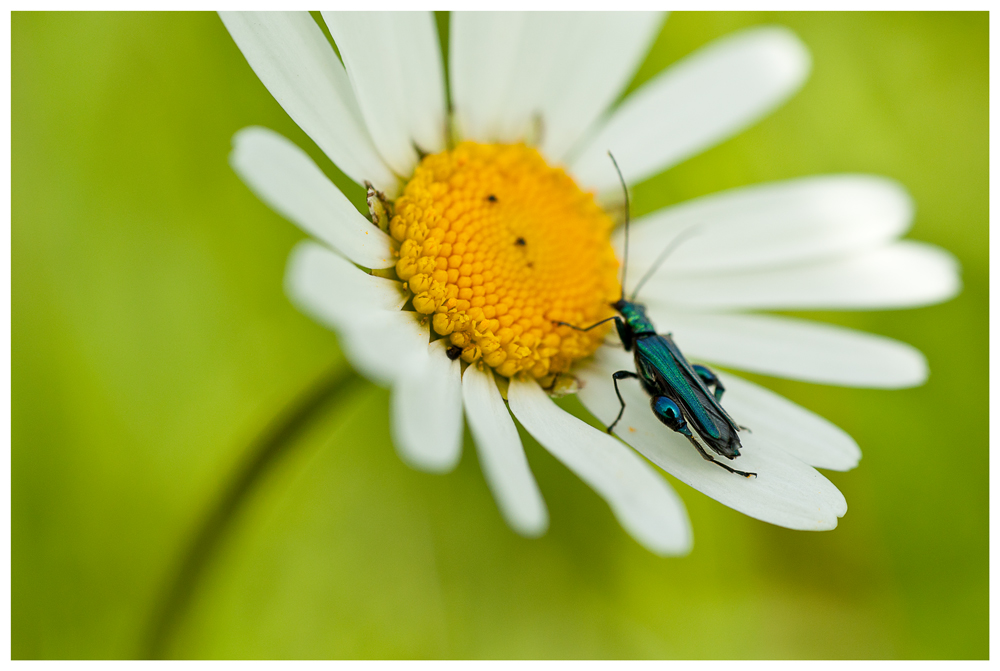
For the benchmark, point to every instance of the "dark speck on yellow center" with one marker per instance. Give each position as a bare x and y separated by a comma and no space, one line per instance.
497,245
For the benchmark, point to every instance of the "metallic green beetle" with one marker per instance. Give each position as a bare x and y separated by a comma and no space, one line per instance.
679,392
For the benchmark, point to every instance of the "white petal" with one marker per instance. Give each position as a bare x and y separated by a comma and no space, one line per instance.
394,64
773,224
786,491
510,70
285,178
546,40
643,502
592,66
795,348
294,61
381,345
344,290
481,68
426,405
706,98
486,70
778,421
378,339
501,454
900,275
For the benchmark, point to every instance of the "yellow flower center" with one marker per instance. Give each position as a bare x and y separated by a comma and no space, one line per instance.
497,245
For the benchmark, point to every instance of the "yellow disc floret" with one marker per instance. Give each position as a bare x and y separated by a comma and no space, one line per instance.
497,245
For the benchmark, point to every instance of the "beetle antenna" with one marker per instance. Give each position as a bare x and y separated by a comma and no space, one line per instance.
672,247
625,190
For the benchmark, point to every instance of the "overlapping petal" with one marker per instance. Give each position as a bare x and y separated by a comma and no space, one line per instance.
501,454
521,74
787,491
767,225
284,177
395,68
378,338
641,500
777,421
426,410
481,69
706,98
795,348
345,289
592,67
903,274
291,56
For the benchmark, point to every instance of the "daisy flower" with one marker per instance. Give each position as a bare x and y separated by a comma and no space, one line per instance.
492,218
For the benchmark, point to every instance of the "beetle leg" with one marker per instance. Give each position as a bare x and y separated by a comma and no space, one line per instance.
620,375
707,457
668,412
587,328
710,379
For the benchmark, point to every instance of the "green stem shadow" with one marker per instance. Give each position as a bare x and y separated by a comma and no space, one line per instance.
273,443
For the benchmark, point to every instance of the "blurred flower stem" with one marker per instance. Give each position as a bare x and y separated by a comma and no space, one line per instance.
271,444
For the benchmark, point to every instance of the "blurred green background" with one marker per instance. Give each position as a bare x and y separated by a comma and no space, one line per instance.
151,341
